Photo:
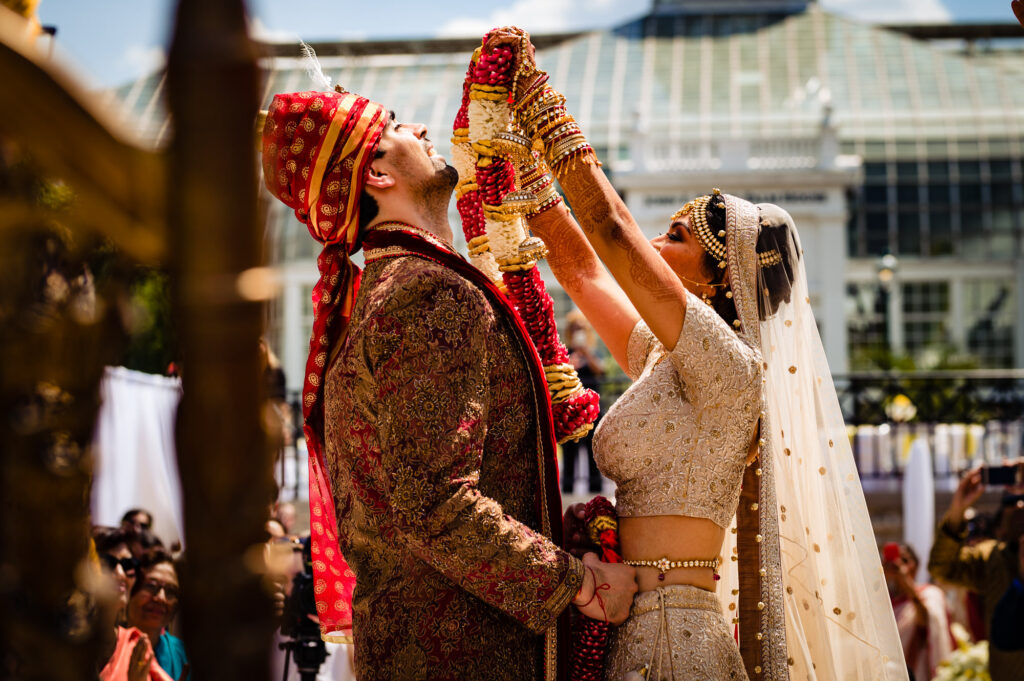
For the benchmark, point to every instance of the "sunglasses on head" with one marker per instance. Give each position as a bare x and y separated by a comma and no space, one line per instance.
129,565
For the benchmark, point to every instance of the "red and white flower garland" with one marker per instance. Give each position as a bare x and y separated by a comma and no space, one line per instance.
493,221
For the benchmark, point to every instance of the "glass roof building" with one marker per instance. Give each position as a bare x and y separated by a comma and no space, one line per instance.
906,141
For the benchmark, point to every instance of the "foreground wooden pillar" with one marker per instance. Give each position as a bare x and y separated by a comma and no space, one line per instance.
223,457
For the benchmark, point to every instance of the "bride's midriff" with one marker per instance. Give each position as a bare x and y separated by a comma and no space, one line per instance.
673,537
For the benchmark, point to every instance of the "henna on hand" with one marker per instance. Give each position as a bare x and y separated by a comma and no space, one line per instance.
571,257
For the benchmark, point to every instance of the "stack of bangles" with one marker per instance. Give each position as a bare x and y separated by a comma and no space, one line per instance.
537,180
542,115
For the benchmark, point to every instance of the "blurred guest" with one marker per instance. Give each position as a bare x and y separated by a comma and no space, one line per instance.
1018,9
117,560
286,516
126,654
990,568
142,542
274,528
920,611
154,603
132,659
137,519
582,354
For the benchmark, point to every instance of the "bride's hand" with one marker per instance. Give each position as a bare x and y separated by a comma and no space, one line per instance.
524,62
608,590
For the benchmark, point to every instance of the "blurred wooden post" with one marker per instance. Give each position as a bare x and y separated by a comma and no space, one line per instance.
223,456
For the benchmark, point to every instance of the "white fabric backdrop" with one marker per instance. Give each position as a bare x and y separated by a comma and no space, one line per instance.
136,463
919,505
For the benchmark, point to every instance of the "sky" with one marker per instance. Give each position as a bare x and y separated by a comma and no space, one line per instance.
115,41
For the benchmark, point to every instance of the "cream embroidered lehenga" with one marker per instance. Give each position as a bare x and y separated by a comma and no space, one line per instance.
802,583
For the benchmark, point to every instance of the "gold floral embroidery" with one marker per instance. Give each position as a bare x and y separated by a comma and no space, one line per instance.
431,435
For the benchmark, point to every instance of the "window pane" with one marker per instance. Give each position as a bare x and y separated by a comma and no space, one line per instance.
938,193
876,194
1001,169
906,171
874,170
906,194
877,232
865,323
938,170
970,170
970,192
940,232
1002,218
989,315
1002,192
908,232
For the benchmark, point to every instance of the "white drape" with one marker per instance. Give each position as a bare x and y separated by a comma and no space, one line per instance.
133,446
919,504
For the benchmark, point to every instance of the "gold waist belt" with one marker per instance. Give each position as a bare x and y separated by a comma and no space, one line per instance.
664,565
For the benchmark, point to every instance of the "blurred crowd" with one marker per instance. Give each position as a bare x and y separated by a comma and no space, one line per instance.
138,593
968,623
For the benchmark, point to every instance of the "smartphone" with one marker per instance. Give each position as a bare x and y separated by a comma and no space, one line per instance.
891,552
1000,476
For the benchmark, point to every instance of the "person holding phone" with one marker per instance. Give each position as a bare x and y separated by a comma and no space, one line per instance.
990,568
920,611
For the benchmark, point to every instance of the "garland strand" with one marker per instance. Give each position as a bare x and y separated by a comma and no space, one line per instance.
591,637
492,212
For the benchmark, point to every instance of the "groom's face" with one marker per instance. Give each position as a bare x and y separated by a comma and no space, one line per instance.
407,153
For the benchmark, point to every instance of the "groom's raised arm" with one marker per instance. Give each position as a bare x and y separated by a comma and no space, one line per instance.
420,458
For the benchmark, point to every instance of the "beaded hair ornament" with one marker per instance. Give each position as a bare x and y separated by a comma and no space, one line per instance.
715,243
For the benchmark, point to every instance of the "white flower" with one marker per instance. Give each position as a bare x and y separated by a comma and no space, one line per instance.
464,160
487,119
505,238
485,263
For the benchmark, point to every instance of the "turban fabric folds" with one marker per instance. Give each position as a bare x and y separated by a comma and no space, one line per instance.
317,150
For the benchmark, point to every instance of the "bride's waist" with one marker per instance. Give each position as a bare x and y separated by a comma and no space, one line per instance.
676,538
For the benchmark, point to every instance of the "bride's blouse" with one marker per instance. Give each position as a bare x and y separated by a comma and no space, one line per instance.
676,442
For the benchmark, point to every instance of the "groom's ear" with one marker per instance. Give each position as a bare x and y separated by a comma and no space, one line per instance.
378,177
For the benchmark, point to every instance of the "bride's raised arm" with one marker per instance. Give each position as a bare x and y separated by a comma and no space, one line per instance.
577,268
652,287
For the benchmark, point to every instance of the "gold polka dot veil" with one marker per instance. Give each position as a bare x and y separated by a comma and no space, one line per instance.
801,575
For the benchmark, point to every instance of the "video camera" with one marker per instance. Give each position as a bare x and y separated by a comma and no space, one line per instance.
299,621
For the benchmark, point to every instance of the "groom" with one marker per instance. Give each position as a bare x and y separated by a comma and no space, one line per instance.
426,402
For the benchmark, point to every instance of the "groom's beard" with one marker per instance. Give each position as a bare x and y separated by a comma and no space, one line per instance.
435,193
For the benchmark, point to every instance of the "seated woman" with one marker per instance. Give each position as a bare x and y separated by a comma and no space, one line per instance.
712,320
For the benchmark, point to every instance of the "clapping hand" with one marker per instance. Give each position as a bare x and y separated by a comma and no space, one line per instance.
142,658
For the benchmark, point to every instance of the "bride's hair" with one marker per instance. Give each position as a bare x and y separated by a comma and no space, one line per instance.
776,233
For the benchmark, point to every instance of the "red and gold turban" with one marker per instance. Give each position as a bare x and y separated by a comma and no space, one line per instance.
317,151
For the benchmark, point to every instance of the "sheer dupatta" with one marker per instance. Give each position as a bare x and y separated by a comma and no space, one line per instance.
802,578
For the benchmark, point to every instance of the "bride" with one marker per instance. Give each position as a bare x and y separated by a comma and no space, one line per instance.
738,499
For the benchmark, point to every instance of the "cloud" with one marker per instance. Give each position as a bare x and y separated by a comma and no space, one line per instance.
891,11
541,16
142,59
260,31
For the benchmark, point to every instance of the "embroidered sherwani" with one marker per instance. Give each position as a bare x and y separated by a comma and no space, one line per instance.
433,446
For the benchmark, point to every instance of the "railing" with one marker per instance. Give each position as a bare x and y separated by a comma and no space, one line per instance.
966,417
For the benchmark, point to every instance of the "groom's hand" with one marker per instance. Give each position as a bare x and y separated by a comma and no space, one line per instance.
608,590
